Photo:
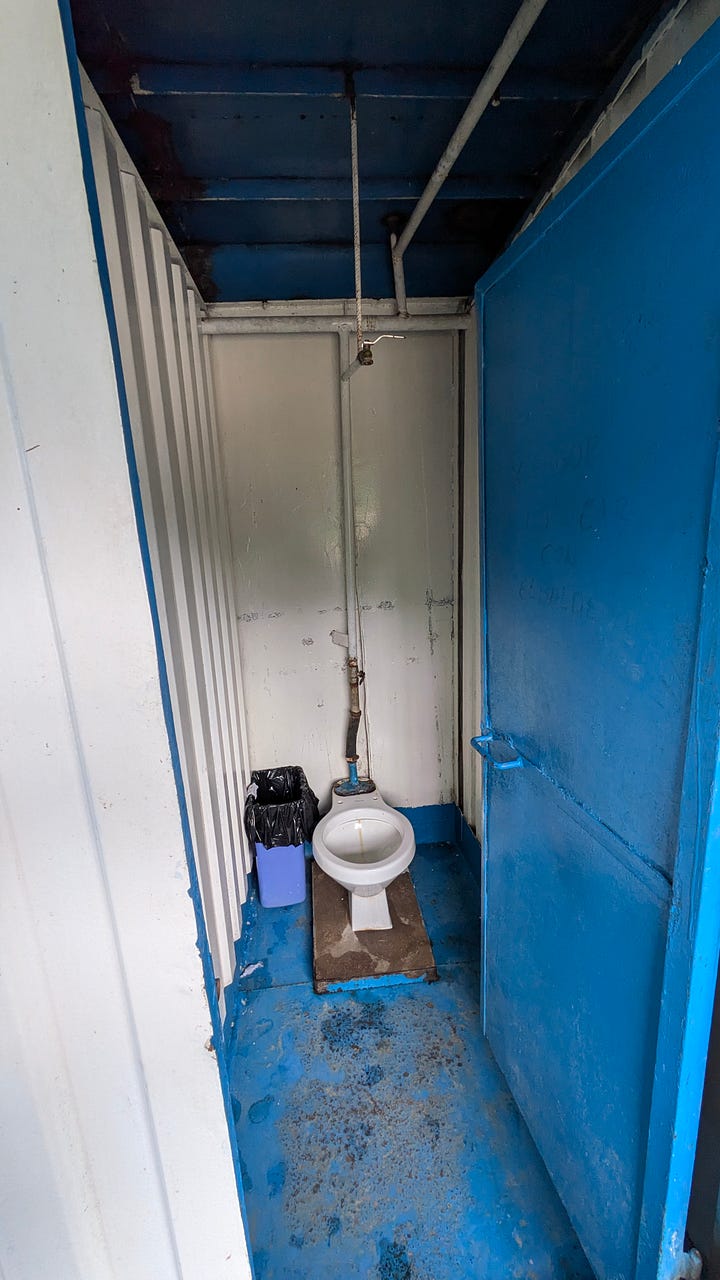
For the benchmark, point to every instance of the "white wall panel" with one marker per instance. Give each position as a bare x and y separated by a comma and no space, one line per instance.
116,1156
278,412
471,693
170,404
404,415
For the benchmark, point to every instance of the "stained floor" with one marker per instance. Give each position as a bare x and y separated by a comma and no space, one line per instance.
378,1138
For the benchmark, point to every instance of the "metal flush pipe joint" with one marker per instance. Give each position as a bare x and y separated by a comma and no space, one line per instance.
355,677
364,356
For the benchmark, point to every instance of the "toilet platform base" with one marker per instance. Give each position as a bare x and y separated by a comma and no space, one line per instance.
348,961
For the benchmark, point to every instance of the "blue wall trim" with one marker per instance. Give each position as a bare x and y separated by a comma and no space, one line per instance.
432,823
469,846
382,980
194,890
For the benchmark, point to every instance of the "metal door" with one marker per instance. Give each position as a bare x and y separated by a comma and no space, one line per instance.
600,399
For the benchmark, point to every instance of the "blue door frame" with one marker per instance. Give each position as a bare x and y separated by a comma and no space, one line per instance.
599,406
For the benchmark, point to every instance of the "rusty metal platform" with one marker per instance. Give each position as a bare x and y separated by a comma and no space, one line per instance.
346,961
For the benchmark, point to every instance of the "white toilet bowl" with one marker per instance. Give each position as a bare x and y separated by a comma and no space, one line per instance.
364,845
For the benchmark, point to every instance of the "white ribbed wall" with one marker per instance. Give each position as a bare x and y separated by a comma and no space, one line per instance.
116,1160
170,401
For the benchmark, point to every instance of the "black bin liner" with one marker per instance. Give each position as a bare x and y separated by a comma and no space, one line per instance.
284,810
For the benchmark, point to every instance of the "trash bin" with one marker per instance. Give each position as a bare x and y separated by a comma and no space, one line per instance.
281,813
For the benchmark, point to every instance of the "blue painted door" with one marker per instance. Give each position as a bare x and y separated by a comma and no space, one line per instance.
600,401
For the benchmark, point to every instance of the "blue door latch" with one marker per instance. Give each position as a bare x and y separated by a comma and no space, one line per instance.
481,744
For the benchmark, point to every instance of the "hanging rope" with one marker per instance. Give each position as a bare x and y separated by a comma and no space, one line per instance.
356,211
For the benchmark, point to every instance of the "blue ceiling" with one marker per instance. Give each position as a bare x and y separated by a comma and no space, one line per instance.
236,116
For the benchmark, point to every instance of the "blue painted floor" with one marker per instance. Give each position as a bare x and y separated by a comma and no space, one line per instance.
378,1138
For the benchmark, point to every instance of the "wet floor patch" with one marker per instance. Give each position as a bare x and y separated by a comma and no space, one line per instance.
378,1137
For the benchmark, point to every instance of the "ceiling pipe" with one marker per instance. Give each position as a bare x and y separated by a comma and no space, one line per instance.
331,324
398,275
341,308
516,35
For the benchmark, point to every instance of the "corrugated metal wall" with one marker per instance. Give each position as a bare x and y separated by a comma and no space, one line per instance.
170,401
116,1155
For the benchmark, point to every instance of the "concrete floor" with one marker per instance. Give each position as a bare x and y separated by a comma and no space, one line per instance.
378,1138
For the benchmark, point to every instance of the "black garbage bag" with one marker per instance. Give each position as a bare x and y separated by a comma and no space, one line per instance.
280,808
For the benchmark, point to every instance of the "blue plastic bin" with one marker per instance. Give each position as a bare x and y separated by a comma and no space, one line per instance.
280,808
281,874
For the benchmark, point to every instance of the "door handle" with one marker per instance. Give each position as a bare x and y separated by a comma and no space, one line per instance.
481,744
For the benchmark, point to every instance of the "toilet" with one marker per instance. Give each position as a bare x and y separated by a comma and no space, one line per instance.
364,845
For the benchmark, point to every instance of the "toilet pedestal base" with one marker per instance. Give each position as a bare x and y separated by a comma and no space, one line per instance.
369,913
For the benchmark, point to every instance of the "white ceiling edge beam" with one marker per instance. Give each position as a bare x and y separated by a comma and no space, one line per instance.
200,80
337,308
331,324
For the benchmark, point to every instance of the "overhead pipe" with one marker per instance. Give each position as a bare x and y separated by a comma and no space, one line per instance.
398,275
516,35
333,324
336,308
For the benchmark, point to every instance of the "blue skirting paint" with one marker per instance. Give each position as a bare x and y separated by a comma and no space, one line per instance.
432,823
382,980
469,845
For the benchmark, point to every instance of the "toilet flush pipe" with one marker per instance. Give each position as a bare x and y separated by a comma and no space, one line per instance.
348,498
354,676
515,37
